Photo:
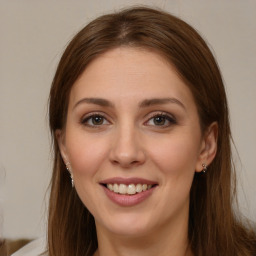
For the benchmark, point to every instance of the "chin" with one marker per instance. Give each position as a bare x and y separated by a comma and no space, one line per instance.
128,225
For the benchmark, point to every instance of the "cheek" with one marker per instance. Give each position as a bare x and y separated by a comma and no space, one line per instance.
177,155
176,159
86,153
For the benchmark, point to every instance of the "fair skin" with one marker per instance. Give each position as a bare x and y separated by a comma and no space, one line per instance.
131,119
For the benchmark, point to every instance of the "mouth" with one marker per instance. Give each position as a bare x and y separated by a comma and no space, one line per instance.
130,186
128,192
130,189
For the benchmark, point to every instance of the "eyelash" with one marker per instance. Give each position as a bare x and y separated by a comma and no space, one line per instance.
167,117
85,120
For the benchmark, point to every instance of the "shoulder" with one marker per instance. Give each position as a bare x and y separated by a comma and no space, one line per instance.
34,248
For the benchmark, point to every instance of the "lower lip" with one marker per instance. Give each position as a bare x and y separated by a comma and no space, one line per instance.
128,200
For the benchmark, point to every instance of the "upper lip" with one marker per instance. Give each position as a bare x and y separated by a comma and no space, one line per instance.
127,181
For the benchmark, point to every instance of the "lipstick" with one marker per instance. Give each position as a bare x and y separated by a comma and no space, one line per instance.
114,189
127,181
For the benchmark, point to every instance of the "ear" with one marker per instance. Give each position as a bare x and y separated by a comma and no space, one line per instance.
208,147
61,143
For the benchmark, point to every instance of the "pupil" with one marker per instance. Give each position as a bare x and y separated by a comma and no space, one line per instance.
97,120
159,120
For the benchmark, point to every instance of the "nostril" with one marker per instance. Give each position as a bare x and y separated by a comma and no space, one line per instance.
125,163
115,162
126,154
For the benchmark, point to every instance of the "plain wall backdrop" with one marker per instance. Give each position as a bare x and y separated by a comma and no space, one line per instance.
34,34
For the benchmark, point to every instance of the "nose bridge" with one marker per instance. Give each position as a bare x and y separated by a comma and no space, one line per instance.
126,147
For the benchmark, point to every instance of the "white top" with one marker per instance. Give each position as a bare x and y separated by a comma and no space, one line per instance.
34,248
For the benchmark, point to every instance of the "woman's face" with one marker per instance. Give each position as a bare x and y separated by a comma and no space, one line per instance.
133,127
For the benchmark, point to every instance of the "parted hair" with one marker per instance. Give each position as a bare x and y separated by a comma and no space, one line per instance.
215,228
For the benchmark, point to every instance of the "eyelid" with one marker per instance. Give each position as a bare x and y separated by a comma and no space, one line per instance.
169,117
86,117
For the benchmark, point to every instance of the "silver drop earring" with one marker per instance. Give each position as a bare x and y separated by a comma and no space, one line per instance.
204,168
70,172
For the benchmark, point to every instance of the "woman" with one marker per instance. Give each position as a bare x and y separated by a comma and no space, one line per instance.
141,134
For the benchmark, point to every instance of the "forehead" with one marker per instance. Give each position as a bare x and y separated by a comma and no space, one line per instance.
130,73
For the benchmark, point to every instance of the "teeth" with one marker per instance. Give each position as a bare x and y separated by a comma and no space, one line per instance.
138,188
122,189
115,188
110,187
130,189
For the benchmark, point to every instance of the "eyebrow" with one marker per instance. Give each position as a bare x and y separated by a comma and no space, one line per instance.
160,101
95,101
143,104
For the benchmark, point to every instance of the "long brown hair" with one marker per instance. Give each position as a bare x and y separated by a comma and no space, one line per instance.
213,227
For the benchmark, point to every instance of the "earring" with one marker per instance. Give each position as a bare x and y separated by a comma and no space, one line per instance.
70,172
204,168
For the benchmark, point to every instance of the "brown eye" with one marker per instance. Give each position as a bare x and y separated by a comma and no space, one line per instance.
159,120
162,120
94,120
97,120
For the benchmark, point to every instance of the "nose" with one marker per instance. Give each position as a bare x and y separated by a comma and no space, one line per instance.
127,149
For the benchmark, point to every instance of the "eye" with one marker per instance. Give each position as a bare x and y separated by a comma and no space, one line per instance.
161,119
94,120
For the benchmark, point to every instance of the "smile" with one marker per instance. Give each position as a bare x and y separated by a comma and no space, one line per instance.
130,189
127,192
